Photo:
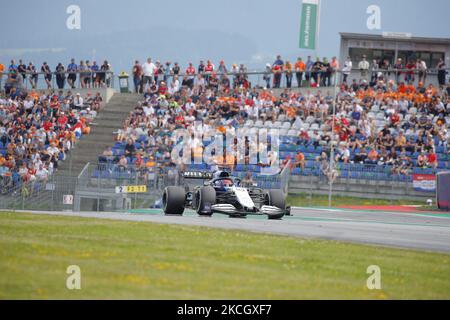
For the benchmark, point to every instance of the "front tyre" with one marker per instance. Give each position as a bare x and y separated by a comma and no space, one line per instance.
173,200
205,197
276,198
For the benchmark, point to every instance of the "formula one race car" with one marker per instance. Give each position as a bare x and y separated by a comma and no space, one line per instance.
222,193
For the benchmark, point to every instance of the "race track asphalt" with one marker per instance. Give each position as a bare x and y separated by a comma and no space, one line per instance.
393,229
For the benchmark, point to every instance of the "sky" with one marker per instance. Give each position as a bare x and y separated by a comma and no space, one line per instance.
239,31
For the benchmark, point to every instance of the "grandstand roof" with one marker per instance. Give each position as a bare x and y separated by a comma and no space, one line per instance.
362,36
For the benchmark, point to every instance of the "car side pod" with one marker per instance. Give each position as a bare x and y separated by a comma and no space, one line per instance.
273,213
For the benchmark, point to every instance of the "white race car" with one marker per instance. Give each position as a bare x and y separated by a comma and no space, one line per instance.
222,193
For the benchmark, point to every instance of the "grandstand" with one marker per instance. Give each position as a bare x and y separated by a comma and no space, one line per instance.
384,133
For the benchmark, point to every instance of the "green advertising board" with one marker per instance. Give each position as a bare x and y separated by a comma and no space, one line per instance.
309,24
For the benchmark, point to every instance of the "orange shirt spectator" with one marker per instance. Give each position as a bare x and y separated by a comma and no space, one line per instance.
300,66
300,160
373,155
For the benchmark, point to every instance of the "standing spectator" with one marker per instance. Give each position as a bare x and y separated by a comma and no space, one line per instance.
176,69
105,74
441,73
159,72
398,67
300,68
148,69
422,67
190,75
82,71
222,69
309,66
385,66
96,77
209,69
167,72
12,66
60,76
22,69
277,68
72,69
326,72
201,67
363,67
47,74
347,69
267,75
374,73
137,77
316,72
335,67
31,69
2,69
288,70
409,75
88,77
242,76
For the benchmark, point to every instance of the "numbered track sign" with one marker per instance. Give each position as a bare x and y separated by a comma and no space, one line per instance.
131,189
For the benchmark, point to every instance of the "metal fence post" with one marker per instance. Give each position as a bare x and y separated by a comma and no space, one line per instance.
23,195
53,191
98,194
136,183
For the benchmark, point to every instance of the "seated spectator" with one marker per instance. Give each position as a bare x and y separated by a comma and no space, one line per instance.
123,163
421,160
343,153
360,156
130,149
299,161
432,160
78,102
42,174
372,157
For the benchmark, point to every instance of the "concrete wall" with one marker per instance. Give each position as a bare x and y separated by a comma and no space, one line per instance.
106,93
360,188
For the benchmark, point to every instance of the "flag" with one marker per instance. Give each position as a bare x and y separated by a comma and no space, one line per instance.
309,24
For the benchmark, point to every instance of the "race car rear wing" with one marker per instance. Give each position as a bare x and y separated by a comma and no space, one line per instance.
200,175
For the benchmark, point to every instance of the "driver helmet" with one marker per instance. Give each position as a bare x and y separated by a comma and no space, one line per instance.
227,182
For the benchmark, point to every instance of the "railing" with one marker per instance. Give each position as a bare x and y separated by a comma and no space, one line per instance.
36,195
57,80
254,78
265,79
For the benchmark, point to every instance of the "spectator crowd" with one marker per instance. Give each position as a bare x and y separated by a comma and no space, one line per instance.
387,123
38,131
83,75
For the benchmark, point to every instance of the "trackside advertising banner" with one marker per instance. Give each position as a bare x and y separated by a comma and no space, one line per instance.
424,182
309,24
443,193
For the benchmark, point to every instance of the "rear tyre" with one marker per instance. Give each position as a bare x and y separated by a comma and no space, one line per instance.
276,198
173,200
204,197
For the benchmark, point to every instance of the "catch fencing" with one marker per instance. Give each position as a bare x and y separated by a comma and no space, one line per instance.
107,187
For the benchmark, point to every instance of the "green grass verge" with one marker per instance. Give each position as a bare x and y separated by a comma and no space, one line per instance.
302,200
124,260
